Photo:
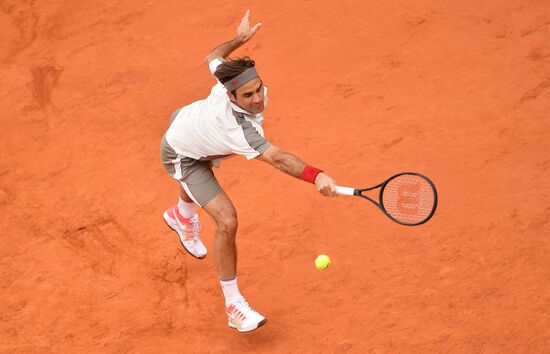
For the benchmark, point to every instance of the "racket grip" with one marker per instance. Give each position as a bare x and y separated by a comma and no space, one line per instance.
345,190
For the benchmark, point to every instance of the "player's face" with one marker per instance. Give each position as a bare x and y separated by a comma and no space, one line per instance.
250,96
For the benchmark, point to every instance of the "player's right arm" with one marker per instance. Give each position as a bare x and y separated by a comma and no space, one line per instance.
244,34
293,166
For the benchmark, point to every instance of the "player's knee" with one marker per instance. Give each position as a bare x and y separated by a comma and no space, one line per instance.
227,225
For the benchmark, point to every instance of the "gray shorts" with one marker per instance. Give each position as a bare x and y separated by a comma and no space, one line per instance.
195,176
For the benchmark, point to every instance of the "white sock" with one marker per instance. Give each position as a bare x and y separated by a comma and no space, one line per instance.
187,210
230,290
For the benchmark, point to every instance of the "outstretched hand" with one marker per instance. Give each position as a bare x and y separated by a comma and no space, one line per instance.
244,32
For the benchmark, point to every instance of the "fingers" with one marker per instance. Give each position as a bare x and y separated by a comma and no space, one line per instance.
243,30
328,193
328,190
244,25
245,21
256,27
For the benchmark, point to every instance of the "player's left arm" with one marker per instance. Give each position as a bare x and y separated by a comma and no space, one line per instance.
244,34
293,166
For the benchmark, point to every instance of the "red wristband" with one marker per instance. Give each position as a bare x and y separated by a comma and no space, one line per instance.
310,173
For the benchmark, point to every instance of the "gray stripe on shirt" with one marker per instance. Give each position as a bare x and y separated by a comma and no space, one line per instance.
252,136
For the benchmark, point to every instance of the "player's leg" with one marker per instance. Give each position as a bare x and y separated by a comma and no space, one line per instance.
240,315
182,217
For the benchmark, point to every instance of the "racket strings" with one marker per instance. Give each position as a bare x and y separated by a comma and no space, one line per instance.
409,199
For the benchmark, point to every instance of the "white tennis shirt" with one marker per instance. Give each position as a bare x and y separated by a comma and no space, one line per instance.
209,129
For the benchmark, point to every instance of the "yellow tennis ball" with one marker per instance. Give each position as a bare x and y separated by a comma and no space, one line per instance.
322,261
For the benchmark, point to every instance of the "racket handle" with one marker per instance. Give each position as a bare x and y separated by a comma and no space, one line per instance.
345,190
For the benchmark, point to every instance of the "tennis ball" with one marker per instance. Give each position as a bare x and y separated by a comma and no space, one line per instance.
322,261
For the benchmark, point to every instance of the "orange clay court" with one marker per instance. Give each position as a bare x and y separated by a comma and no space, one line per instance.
459,91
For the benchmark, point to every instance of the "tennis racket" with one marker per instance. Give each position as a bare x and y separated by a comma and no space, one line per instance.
408,198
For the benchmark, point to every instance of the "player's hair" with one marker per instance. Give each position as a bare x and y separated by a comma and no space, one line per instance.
232,68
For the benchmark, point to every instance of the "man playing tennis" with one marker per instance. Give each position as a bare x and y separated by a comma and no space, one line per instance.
227,122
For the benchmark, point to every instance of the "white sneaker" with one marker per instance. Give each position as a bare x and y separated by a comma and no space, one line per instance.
242,317
188,231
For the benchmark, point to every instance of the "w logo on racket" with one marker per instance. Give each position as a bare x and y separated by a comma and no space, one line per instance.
407,198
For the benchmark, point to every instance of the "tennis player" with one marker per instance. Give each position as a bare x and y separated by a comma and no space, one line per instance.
228,122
